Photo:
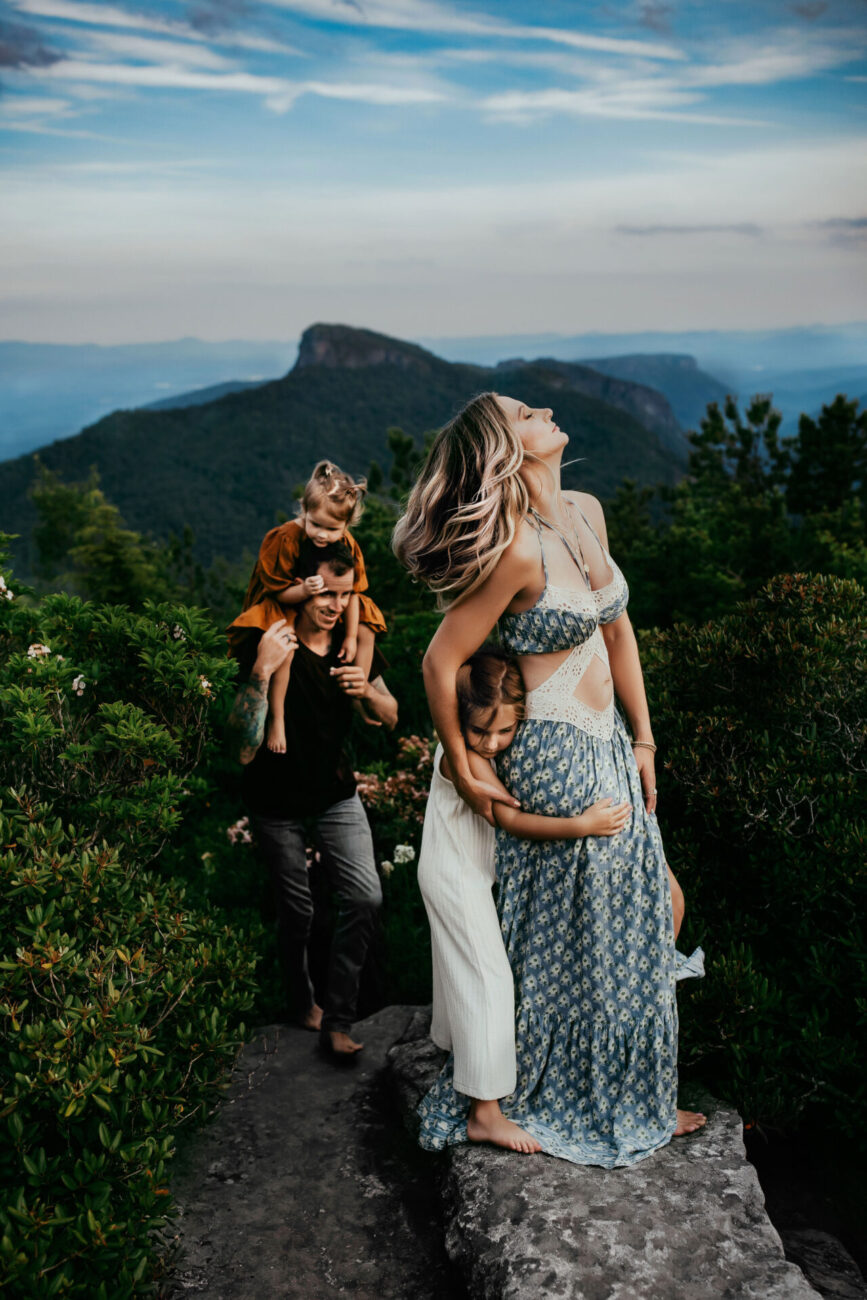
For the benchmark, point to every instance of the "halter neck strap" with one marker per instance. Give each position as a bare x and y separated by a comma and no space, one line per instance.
580,566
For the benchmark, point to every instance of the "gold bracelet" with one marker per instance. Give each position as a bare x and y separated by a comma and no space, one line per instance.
645,744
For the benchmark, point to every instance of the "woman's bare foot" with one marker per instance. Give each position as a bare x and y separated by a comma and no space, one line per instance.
276,739
487,1123
313,1019
688,1121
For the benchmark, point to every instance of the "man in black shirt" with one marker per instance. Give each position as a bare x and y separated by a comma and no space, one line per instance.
313,780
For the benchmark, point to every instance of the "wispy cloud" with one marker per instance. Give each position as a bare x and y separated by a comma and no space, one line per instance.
646,91
731,228
786,57
630,101
95,15
279,93
98,15
140,167
844,230
371,93
166,76
40,124
32,106
427,16
147,49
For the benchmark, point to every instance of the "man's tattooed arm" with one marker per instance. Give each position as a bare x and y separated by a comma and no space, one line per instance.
246,722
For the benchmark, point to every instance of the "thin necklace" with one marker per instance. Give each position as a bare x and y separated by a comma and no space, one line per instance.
582,564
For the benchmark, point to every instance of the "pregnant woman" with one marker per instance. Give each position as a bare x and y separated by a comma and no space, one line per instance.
587,924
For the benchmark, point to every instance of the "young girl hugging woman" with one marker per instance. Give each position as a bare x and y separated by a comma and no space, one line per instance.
473,990
332,501
587,922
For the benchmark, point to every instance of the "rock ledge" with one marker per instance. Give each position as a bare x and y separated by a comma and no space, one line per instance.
687,1224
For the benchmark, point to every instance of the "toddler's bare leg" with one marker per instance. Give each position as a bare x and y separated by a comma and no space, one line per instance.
688,1121
276,733
487,1123
364,653
678,905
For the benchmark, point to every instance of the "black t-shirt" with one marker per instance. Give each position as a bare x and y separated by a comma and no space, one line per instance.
315,771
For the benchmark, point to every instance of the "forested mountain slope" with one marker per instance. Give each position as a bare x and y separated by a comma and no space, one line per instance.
227,467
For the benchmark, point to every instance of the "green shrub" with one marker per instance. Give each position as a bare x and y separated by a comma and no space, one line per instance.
760,722
121,1003
121,1011
103,713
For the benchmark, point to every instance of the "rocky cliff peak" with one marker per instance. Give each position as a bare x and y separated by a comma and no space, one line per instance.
342,347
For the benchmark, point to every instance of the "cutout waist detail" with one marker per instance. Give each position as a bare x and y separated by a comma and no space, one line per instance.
554,700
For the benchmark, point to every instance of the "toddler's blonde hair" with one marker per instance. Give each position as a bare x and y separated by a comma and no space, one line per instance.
340,493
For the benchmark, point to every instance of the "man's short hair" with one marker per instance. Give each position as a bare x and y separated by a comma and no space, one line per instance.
336,555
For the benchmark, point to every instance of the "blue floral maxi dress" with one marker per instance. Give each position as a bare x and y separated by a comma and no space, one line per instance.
587,923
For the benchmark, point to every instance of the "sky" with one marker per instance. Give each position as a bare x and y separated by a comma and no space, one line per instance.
242,168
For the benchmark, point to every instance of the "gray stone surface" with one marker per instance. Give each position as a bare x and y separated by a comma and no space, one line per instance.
305,1184
687,1224
826,1261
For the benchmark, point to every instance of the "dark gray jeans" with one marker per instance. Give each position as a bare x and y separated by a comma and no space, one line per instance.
343,835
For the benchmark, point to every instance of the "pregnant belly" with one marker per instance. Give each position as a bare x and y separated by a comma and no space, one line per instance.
556,769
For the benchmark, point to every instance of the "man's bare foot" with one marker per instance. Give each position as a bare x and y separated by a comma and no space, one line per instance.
276,739
487,1123
688,1121
313,1019
338,1044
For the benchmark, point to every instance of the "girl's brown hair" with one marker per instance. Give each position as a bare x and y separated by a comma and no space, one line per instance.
340,493
489,678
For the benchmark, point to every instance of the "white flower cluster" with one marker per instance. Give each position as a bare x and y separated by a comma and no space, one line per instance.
79,683
204,685
240,832
4,590
402,853
178,633
38,651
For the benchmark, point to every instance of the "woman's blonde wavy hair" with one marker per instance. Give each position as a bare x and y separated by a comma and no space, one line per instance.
466,504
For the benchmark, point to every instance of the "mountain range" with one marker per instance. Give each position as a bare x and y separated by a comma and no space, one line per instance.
50,391
227,467
803,368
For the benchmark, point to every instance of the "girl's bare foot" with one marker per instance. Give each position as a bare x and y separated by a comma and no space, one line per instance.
688,1121
487,1123
276,739
313,1019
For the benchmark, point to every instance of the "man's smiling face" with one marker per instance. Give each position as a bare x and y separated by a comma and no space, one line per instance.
324,609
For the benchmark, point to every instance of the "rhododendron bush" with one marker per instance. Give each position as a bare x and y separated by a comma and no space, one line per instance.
121,1003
